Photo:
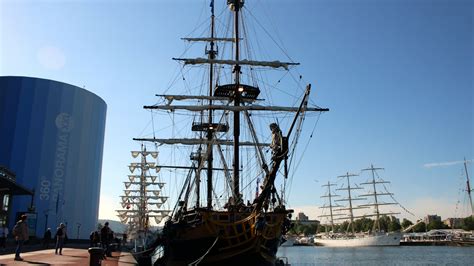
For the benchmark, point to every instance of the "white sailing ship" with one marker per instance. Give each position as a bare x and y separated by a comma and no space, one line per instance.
142,199
350,238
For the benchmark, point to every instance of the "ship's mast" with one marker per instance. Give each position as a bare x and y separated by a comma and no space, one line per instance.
237,92
376,205
142,210
349,199
376,196
212,56
139,200
236,5
330,196
468,188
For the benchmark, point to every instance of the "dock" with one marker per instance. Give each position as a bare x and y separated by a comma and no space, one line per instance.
70,256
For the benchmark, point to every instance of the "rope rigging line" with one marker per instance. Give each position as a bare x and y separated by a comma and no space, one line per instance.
290,179
196,262
393,198
269,35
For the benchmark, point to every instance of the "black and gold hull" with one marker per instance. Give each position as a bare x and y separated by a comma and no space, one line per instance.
223,238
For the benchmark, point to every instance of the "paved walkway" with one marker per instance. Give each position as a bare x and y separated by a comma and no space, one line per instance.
71,256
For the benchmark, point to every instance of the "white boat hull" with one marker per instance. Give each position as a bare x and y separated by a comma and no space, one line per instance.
289,241
390,239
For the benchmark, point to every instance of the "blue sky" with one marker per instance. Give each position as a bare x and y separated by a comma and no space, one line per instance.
397,76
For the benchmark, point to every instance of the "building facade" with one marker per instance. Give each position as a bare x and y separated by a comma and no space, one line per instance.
51,137
432,218
302,217
454,222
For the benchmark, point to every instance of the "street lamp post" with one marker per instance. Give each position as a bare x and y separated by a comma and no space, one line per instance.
78,229
46,213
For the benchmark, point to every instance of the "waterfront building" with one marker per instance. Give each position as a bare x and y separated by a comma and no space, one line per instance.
301,217
8,189
454,222
432,218
437,235
51,138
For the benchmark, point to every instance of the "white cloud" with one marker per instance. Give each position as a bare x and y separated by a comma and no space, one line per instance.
51,57
431,165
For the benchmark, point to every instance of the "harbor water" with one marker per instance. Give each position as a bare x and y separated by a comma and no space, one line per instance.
401,255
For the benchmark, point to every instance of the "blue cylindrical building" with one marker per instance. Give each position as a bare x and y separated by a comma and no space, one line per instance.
52,138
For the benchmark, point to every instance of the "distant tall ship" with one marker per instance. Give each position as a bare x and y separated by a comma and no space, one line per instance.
350,238
142,200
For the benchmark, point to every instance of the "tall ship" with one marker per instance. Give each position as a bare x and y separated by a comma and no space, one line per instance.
142,201
232,152
350,238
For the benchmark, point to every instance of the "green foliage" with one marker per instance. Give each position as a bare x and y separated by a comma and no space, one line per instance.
363,225
406,223
421,227
323,228
309,229
384,222
468,223
341,228
387,224
436,225
394,225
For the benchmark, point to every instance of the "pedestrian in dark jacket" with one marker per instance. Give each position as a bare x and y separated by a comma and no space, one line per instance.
105,238
94,239
60,236
47,238
20,232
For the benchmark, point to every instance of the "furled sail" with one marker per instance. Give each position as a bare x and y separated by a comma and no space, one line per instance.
200,108
274,64
186,141
208,39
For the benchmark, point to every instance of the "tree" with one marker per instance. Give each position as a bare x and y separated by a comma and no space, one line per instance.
421,227
322,228
304,229
468,223
394,225
406,223
363,224
341,228
297,229
436,225
384,221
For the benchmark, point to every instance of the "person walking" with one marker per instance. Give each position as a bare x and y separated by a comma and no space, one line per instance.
105,238
47,238
3,236
60,235
20,231
94,239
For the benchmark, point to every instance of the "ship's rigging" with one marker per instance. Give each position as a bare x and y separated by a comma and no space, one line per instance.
224,117
217,217
142,199
336,212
